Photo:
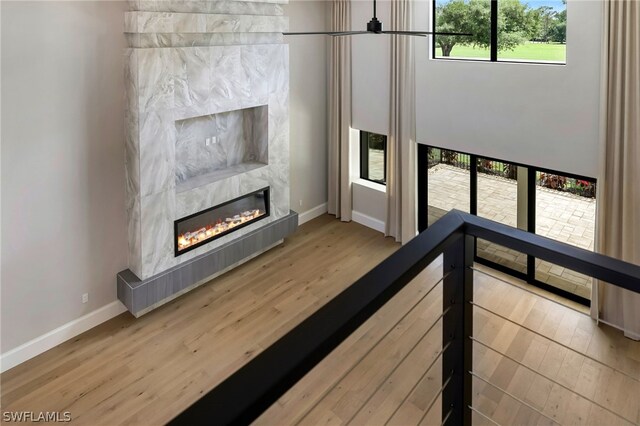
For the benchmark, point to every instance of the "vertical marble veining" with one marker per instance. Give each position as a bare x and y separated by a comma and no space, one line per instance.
229,80
256,130
156,82
192,76
157,152
158,215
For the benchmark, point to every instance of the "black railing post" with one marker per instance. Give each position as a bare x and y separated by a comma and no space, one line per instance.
457,326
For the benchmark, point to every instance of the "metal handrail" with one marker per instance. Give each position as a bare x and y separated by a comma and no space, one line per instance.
246,394
605,268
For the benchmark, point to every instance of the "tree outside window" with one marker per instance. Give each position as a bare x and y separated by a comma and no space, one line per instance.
530,31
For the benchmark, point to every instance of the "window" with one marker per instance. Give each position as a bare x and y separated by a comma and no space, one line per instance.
556,205
373,157
503,30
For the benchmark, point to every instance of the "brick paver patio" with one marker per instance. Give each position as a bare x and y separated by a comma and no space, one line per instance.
559,215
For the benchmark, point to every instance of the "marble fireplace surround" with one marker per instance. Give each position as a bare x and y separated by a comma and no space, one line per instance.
177,97
218,146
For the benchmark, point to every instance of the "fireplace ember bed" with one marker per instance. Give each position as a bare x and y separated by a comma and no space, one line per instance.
203,227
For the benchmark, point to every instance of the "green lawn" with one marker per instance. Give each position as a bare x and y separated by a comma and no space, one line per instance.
527,51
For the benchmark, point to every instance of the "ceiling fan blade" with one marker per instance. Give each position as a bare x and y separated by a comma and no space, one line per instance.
309,33
409,33
346,33
331,33
440,33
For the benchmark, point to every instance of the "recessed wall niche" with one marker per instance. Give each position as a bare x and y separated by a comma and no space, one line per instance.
214,147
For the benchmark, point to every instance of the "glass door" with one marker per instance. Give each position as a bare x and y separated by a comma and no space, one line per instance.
500,197
552,204
565,211
449,182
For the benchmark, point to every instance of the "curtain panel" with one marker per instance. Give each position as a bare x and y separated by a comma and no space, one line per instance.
401,145
618,221
339,164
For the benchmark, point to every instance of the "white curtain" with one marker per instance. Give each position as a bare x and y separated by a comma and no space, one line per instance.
401,146
339,180
618,223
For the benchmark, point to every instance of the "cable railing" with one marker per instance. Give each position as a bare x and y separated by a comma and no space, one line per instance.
251,390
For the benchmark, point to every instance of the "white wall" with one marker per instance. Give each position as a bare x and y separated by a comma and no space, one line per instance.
545,115
63,219
371,70
371,75
308,85
62,154
369,204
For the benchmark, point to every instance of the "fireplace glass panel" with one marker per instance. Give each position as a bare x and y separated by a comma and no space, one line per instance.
208,225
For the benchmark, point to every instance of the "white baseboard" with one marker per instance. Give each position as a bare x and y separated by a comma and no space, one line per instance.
312,214
368,221
78,326
60,335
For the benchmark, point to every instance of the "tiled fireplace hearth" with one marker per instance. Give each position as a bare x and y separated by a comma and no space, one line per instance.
207,143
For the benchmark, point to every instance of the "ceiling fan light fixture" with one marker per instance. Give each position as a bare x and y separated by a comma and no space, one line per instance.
374,26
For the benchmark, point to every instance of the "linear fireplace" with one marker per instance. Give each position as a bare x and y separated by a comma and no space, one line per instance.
205,226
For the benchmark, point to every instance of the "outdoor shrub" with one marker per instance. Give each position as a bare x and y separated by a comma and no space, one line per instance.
449,157
586,188
510,171
552,181
485,166
434,157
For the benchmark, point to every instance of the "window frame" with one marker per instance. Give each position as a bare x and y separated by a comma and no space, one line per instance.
493,48
364,157
423,210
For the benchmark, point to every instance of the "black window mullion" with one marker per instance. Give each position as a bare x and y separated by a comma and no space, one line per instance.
494,31
364,155
423,187
384,153
433,23
531,220
473,184
473,200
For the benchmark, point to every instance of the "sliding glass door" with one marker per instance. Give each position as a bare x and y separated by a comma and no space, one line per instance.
556,205
497,200
449,182
565,211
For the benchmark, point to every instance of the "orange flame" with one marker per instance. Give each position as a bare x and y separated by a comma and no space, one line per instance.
191,238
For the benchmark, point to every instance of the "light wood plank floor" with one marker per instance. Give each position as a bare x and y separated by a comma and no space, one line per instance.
145,371
571,372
